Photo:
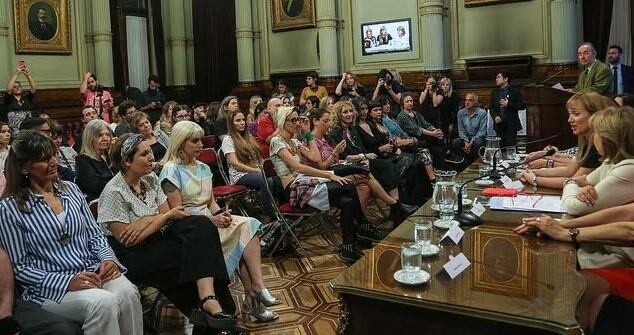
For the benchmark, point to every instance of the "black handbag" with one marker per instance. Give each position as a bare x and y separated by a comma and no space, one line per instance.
343,170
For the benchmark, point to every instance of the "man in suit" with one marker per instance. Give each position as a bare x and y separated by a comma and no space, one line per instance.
623,74
506,100
596,75
40,28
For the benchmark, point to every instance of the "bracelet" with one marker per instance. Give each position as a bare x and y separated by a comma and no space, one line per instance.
534,181
550,163
569,181
217,212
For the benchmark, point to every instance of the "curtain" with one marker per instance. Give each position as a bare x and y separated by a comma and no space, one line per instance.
620,31
138,57
596,24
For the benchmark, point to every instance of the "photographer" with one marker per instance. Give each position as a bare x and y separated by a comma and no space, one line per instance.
387,86
153,99
430,98
93,94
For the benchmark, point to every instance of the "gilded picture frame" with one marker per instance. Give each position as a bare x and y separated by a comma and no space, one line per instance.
42,26
293,14
501,263
477,3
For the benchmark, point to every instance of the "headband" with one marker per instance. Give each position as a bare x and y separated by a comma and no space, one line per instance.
130,144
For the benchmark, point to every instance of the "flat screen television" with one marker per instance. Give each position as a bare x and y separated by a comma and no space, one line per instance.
386,36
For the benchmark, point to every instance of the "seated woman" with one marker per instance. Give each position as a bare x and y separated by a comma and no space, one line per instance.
580,107
253,102
258,113
67,154
156,139
60,257
178,253
327,103
366,184
429,135
94,170
286,159
188,182
415,173
165,122
181,113
243,158
611,184
5,140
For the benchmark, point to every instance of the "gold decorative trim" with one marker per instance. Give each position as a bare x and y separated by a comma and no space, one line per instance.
25,18
293,14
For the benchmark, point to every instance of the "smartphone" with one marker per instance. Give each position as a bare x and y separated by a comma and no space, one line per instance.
22,65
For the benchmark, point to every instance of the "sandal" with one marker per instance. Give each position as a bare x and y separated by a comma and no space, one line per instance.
200,317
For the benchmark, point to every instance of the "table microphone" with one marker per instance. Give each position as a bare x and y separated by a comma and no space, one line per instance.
494,173
470,219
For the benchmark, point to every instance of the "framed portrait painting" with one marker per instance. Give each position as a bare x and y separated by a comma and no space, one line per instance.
293,14
42,26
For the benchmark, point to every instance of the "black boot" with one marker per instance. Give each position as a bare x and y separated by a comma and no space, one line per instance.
369,232
349,252
400,211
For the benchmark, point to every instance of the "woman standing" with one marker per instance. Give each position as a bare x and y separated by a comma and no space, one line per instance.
349,86
164,247
448,110
61,259
94,170
188,182
17,103
282,91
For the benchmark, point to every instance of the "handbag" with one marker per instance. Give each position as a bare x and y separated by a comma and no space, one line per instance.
343,170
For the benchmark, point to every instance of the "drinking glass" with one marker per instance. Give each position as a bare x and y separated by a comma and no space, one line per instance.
446,209
411,258
423,231
510,154
483,170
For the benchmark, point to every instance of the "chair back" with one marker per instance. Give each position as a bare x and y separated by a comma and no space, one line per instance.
208,156
262,168
224,172
94,207
209,141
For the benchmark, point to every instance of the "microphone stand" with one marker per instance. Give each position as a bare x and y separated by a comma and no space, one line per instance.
470,219
497,175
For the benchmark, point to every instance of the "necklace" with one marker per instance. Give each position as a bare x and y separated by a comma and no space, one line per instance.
141,194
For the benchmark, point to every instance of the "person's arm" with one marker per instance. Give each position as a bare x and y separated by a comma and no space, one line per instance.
409,126
340,85
599,218
12,80
149,224
423,94
516,101
232,159
27,74
377,89
436,98
396,96
564,171
482,131
294,165
303,96
83,87
86,176
6,285
462,130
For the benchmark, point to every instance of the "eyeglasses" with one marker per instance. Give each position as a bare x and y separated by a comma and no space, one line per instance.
294,120
349,110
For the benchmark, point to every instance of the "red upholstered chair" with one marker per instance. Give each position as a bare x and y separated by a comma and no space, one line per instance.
209,141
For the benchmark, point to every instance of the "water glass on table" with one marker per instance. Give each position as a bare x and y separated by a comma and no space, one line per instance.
411,258
423,231
483,170
445,206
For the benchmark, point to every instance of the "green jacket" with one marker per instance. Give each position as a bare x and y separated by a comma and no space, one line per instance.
599,79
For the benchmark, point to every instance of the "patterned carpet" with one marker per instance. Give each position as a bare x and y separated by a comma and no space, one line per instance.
308,306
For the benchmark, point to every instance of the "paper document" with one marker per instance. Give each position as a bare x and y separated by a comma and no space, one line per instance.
559,87
529,203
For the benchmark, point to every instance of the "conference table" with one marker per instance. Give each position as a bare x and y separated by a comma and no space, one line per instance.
516,284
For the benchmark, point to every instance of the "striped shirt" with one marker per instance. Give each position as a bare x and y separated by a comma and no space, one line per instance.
44,263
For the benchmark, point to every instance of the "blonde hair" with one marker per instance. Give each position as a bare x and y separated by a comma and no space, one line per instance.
591,102
164,117
182,131
134,120
446,80
91,133
615,128
323,103
338,109
282,113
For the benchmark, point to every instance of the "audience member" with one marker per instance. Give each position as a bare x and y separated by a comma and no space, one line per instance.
610,184
430,99
85,281
506,100
228,105
596,75
126,108
165,122
65,153
472,127
580,107
266,128
259,112
288,102
5,140
114,118
349,86
623,75
388,119
286,159
448,106
167,248
312,89
43,126
181,113
18,103
389,87
153,99
157,140
312,103
428,136
282,91
188,182
253,102
200,117
243,158
20,317
93,94
327,103
94,170
88,113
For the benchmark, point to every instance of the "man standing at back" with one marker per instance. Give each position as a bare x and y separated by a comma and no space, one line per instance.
596,75
153,99
623,82
506,100
266,128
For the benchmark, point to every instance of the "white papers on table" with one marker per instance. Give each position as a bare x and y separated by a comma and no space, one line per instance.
528,203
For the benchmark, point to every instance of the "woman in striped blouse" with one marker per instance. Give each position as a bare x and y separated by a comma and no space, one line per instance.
60,257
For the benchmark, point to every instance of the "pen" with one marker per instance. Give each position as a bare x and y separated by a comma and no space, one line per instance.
540,198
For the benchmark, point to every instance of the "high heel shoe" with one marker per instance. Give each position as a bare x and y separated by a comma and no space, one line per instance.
258,311
200,317
266,298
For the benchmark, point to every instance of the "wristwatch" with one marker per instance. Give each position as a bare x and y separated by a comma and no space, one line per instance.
534,181
573,232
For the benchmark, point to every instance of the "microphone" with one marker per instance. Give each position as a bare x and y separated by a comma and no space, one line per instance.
552,76
494,172
470,219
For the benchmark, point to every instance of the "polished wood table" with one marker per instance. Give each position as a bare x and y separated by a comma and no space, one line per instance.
515,285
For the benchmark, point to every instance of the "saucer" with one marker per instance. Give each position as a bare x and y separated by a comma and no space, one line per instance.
429,250
445,224
412,278
484,182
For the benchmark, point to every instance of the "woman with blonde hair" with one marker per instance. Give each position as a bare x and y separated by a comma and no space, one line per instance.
327,103
580,107
94,170
165,121
253,101
449,103
188,182
243,158
349,86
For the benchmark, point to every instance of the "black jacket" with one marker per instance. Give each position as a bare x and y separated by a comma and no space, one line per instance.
516,102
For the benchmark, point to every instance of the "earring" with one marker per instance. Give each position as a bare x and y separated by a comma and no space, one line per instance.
181,154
